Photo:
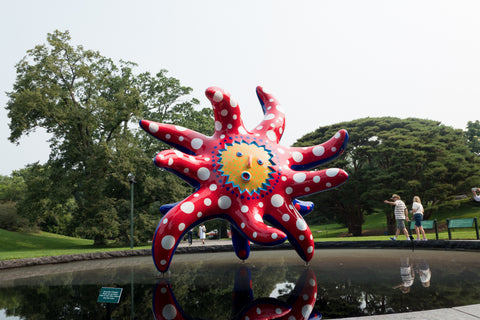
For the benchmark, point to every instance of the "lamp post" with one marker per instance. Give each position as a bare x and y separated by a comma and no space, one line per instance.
131,178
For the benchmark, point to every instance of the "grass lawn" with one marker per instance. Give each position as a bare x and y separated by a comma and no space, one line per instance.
15,245
377,222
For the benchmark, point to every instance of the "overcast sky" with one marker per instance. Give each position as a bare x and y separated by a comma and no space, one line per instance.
325,61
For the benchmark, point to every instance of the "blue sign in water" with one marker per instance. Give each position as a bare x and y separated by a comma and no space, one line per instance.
110,295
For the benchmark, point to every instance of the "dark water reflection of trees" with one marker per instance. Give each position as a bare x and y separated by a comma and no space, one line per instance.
350,286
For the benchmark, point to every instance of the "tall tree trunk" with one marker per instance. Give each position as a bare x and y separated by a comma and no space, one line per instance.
354,219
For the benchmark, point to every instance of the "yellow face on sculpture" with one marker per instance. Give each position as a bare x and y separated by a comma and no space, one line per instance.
246,166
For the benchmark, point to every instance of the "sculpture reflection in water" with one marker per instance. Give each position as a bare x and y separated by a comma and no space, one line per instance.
299,305
408,268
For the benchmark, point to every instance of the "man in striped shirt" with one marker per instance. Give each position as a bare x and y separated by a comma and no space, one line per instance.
401,215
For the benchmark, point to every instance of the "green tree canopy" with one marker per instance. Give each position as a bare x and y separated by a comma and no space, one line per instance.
390,155
90,105
473,136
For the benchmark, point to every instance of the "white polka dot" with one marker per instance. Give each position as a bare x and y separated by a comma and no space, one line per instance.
299,177
224,112
165,221
169,312
306,311
258,217
270,116
167,136
278,311
301,238
187,207
328,184
274,236
234,117
310,249
254,234
316,179
277,200
222,136
179,128
244,209
153,127
168,242
259,128
307,189
284,178
242,225
301,225
199,214
233,103
305,297
181,227
260,204
163,262
218,125
186,170
280,150
312,282
170,161
297,156
203,173
285,217
332,172
181,138
334,149
213,187
271,135
207,202
196,143
337,135
224,202
289,190
229,126
318,151
218,96
163,290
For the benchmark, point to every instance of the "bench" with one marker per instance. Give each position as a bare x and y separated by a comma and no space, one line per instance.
462,223
427,225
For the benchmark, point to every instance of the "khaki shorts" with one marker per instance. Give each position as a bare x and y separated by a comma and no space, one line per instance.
401,224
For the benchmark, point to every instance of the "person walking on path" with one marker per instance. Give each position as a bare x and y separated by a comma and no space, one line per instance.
190,237
401,214
202,233
417,210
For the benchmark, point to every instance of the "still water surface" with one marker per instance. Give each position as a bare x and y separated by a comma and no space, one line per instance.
276,284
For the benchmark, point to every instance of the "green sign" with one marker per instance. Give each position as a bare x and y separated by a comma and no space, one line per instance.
110,295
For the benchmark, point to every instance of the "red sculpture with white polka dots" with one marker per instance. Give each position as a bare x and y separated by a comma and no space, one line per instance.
243,176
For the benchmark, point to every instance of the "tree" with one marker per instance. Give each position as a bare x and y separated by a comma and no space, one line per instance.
390,155
90,106
473,136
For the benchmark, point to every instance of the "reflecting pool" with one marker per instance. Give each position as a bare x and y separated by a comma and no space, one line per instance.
271,284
